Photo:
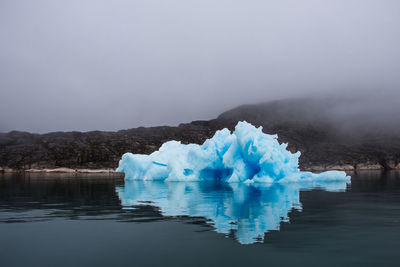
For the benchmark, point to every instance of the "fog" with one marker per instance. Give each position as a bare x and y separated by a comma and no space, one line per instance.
108,65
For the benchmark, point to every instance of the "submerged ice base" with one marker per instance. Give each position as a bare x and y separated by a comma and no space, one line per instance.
247,155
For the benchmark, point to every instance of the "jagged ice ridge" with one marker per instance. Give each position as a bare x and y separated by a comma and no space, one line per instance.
247,155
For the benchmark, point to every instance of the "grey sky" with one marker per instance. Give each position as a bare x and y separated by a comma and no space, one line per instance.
107,65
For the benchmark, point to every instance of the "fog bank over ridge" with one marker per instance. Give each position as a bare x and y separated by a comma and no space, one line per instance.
347,116
351,114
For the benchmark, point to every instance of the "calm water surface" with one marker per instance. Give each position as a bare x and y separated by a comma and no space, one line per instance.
62,220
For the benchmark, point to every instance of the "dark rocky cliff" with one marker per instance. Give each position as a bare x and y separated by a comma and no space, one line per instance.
326,141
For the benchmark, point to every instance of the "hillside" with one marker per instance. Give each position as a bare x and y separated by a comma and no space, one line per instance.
328,135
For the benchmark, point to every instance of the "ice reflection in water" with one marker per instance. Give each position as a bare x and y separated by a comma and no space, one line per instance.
249,210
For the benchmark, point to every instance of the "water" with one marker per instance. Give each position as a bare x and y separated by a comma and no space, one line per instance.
59,220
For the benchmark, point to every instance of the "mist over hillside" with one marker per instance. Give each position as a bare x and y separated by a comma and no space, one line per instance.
348,118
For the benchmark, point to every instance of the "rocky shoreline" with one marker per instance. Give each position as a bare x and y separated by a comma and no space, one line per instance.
62,170
347,168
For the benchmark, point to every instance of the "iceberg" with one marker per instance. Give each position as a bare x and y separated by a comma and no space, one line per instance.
247,155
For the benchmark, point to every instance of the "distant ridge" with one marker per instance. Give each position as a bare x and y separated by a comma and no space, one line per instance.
330,133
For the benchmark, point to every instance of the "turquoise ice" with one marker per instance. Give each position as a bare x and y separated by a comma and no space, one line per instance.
247,156
244,182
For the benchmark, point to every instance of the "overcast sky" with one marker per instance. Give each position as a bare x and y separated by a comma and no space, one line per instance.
108,65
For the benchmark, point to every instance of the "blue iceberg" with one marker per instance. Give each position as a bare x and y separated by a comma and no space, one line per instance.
247,155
